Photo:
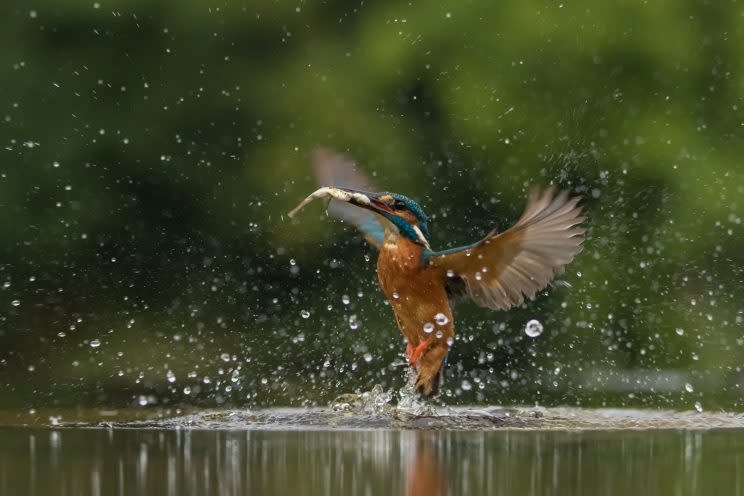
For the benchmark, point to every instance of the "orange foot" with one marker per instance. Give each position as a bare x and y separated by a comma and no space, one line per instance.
414,356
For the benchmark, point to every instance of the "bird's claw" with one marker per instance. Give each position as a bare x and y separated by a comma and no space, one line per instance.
415,353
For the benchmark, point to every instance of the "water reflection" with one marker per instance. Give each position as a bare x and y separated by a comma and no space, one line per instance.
183,462
425,474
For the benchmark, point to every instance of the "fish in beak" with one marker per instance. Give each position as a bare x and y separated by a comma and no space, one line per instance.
358,198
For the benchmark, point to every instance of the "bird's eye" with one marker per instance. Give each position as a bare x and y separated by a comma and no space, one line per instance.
399,205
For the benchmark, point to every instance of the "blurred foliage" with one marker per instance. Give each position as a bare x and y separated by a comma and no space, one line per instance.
151,149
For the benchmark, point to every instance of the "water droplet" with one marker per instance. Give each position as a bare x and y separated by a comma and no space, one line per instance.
533,328
292,261
367,357
225,357
478,276
395,295
187,390
698,406
679,331
428,328
170,376
450,273
345,299
264,380
61,334
95,343
206,380
305,314
466,386
439,334
441,319
142,400
353,322
31,368
16,303
688,387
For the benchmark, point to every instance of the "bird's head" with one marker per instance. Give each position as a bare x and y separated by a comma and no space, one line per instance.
402,212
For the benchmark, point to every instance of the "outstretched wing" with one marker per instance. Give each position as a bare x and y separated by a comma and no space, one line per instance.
334,169
502,269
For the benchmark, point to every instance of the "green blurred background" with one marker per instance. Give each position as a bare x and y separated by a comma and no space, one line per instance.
150,151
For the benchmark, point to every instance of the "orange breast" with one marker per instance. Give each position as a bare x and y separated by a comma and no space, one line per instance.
416,293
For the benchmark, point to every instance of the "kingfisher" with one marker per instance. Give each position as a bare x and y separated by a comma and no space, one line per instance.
421,284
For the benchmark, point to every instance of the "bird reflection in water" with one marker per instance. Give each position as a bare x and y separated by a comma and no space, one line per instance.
425,475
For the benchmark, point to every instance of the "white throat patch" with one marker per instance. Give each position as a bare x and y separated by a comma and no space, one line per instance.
421,237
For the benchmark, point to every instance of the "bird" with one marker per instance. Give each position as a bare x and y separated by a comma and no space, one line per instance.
498,272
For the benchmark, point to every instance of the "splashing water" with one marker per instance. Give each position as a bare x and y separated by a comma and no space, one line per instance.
441,319
533,328
373,402
353,322
378,401
409,400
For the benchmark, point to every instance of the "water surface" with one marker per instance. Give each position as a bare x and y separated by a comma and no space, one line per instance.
320,452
